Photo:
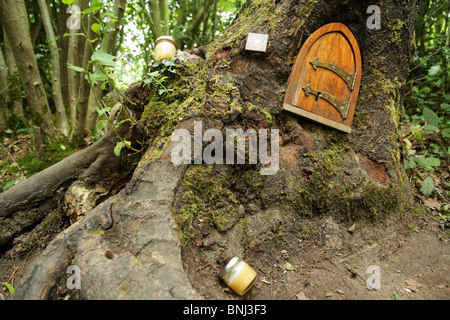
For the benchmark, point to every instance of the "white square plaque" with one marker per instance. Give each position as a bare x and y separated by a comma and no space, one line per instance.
257,42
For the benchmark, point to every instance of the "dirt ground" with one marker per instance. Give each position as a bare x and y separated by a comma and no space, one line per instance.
411,253
412,256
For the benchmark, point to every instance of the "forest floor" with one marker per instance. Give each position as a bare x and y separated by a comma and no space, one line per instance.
409,251
412,255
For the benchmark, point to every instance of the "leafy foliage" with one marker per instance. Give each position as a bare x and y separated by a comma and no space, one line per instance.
426,127
157,76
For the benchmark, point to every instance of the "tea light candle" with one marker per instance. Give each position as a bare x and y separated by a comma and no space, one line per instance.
238,275
165,48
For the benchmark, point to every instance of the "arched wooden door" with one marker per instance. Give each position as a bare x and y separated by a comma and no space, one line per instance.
324,82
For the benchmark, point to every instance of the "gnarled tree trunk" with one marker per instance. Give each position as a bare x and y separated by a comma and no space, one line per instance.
136,239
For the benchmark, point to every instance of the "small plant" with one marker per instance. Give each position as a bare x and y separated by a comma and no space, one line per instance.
157,77
428,151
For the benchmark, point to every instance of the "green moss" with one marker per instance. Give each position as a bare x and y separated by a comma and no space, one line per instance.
327,191
396,27
307,10
207,201
266,114
165,111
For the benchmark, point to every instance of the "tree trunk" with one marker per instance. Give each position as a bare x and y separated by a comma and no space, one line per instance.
61,118
63,16
14,19
3,79
15,88
75,57
4,94
78,129
220,210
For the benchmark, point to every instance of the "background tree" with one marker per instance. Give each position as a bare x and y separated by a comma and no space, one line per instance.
14,19
61,118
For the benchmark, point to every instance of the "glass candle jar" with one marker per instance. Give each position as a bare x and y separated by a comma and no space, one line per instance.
238,275
165,48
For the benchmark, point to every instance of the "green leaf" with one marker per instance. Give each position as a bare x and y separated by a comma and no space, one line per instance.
417,132
9,184
97,76
124,120
397,297
446,133
430,116
428,162
9,286
434,70
103,111
154,74
427,187
445,107
103,58
73,34
98,232
120,145
118,148
89,10
96,28
437,150
169,62
409,164
68,2
110,14
430,127
78,69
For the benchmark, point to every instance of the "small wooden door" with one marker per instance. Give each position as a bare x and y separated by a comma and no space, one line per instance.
325,80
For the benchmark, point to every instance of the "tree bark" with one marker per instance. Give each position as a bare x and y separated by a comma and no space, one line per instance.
346,177
14,19
61,118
